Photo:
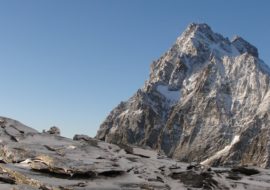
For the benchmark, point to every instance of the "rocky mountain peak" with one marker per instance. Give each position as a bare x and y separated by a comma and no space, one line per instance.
198,28
207,100
244,47
195,29
199,39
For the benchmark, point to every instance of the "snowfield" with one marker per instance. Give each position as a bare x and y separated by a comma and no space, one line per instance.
31,160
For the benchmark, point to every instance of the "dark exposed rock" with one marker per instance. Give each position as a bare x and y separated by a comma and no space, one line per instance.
193,179
81,137
54,131
112,173
128,149
6,178
245,171
233,176
86,138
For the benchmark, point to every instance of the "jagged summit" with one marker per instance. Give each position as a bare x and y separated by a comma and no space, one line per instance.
198,27
200,37
244,47
207,100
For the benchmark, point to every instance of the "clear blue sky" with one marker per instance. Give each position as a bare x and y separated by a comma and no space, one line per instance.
70,62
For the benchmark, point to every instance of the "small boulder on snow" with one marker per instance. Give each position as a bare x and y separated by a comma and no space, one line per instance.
53,131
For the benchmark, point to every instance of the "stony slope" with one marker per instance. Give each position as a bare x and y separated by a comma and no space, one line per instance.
207,100
31,160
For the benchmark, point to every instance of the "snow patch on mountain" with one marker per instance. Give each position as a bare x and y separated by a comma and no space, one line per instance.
172,96
222,152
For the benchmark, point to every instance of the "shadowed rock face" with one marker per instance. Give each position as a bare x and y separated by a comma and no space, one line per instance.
202,93
31,160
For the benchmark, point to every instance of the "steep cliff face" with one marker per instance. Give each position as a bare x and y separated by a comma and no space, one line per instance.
207,100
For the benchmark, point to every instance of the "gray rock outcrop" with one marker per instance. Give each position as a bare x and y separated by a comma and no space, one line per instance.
53,131
31,160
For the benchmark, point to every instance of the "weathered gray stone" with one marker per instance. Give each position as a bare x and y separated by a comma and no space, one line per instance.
51,162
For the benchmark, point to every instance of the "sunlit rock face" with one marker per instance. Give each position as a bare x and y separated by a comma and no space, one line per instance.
207,100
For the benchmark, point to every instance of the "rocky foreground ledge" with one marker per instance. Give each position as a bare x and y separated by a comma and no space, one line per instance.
31,160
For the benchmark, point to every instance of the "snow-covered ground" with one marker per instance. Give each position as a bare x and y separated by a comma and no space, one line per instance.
35,160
